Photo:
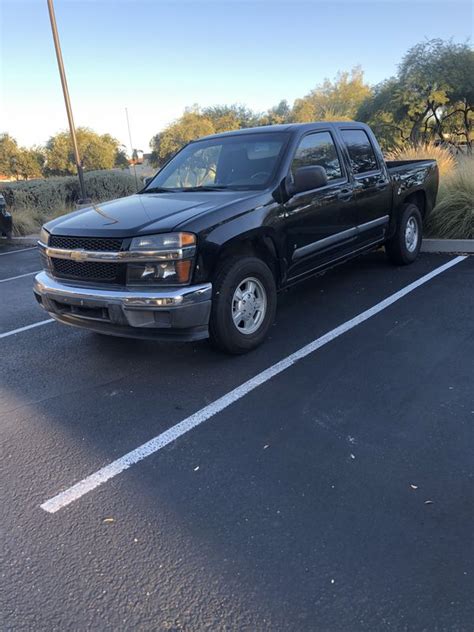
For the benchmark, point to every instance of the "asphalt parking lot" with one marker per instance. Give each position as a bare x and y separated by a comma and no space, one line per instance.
334,494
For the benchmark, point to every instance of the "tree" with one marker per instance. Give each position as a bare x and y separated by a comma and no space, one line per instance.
333,100
19,162
386,114
190,126
277,115
228,117
8,154
29,163
431,97
97,151
121,159
197,122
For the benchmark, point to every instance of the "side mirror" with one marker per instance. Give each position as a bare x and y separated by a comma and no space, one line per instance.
146,181
308,178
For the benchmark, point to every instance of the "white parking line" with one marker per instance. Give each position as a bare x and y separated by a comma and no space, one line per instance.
13,252
150,447
19,276
20,329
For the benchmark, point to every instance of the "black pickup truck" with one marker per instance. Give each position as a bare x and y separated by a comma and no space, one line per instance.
230,220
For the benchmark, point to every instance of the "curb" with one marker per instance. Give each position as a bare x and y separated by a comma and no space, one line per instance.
454,246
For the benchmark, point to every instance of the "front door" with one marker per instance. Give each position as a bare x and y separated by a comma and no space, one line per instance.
320,225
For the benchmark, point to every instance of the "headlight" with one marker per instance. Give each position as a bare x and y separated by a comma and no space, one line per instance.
176,245
44,236
171,259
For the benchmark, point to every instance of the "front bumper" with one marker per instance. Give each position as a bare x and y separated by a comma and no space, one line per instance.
175,313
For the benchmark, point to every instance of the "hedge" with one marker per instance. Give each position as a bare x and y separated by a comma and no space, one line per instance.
34,202
55,195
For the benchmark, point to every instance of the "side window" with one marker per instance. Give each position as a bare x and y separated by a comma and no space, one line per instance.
360,150
318,150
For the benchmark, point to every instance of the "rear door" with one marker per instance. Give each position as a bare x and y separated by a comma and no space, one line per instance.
372,186
319,224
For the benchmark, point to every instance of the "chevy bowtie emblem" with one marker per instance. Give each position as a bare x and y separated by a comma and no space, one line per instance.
78,255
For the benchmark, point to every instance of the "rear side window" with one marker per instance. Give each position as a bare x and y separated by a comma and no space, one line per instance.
318,150
360,150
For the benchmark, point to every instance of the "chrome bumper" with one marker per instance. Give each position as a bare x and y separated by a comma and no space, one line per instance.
174,313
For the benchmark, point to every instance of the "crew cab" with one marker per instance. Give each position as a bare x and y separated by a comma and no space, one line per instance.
203,249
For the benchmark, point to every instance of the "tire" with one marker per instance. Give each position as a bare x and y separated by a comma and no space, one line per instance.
243,285
403,247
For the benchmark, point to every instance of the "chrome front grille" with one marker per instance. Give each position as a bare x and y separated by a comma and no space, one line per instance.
88,270
98,244
84,270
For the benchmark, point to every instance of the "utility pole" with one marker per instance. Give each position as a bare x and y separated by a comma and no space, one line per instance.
67,101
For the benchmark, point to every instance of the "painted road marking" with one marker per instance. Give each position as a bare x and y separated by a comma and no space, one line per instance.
20,329
13,252
19,276
160,441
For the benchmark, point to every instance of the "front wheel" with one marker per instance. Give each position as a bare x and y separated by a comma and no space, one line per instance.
243,305
403,247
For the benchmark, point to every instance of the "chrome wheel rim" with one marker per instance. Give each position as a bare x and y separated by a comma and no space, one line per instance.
411,234
249,305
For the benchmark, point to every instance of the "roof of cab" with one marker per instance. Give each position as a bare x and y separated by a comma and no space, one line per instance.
287,127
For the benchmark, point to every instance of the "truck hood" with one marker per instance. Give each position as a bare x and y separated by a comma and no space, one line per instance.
143,213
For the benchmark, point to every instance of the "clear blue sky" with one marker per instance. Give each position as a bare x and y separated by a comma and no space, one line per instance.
157,57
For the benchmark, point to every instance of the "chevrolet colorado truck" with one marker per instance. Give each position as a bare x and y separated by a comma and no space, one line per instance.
204,248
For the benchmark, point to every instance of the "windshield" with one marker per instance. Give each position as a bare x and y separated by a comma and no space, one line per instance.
247,161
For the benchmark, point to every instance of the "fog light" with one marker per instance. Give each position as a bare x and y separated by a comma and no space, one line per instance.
177,272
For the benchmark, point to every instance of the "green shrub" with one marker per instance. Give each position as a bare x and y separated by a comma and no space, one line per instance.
33,202
453,215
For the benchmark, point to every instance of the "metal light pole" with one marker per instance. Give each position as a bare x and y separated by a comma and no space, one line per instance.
131,148
67,101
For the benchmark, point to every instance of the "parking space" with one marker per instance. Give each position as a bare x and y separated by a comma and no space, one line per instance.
335,495
18,261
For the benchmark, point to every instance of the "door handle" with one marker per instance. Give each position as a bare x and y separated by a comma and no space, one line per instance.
381,184
344,194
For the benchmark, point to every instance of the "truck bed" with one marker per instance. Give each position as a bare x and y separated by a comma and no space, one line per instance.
414,176
403,165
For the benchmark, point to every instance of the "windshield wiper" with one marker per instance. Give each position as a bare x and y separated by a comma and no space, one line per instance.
185,189
157,190
204,188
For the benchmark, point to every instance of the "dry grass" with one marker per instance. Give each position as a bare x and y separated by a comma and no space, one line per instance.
453,216
444,158
26,223
29,222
